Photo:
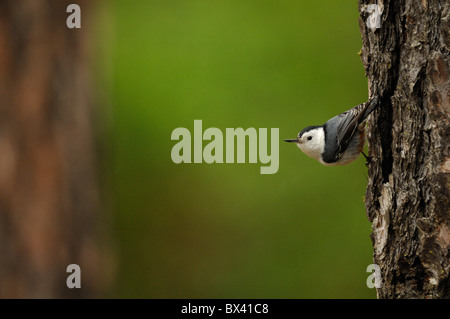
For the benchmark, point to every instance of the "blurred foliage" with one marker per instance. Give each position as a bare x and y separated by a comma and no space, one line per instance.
224,230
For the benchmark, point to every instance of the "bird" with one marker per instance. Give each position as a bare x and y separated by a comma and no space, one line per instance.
341,139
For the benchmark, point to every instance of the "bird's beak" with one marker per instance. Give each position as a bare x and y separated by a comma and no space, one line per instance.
292,141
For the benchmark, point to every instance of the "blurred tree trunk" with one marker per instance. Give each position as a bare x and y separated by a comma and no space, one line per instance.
407,200
48,187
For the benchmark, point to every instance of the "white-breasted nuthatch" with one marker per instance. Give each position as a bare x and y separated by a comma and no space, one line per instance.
340,140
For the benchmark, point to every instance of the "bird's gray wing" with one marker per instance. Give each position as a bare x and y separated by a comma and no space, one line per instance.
344,125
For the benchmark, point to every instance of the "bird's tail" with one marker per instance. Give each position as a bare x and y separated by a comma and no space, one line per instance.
370,106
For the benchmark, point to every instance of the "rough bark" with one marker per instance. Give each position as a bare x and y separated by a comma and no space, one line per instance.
407,200
48,188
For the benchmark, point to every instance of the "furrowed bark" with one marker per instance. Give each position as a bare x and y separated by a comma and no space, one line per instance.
407,64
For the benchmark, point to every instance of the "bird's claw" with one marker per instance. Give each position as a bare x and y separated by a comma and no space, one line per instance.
368,159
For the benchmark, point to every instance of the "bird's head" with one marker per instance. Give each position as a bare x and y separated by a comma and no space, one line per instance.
311,141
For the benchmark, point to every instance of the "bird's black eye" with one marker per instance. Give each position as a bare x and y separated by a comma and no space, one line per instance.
309,138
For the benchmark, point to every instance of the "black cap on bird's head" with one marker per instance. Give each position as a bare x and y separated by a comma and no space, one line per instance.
305,130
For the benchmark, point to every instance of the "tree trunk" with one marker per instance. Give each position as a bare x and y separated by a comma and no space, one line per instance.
407,64
48,188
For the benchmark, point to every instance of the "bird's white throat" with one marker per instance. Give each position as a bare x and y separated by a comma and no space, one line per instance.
314,147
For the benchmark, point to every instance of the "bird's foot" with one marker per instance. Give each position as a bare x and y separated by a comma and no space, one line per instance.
368,159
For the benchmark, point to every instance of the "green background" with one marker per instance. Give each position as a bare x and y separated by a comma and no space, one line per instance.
225,230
